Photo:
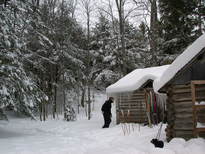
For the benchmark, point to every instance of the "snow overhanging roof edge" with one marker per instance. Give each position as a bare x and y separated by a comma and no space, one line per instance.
136,79
179,63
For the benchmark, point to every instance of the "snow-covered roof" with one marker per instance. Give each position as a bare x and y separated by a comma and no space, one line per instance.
136,79
181,61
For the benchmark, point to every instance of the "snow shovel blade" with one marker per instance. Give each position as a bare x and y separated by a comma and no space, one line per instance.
157,143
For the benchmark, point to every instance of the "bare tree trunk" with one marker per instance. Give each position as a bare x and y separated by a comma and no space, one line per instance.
78,99
88,9
38,3
153,31
88,82
200,16
44,111
120,7
64,97
73,5
89,103
93,101
42,104
83,98
40,109
113,22
5,2
114,29
55,93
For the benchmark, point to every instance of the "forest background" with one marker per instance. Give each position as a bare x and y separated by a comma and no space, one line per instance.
52,61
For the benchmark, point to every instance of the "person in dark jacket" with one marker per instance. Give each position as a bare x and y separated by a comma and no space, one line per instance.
106,110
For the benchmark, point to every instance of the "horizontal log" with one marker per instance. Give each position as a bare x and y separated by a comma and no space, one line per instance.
201,113
181,123
184,99
126,108
170,107
199,108
169,132
170,121
132,100
132,104
170,114
187,96
137,114
187,90
133,111
181,86
138,94
183,116
183,128
183,110
199,97
133,118
133,121
198,82
143,119
186,104
182,95
133,115
200,132
131,95
169,127
134,96
129,103
183,132
184,135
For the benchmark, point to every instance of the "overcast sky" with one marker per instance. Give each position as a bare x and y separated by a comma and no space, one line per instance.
96,4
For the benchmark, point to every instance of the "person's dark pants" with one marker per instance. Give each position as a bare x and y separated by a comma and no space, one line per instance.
107,119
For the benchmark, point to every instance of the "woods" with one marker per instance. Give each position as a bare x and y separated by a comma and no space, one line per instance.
50,63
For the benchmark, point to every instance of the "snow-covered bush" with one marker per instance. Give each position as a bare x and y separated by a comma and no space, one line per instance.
70,114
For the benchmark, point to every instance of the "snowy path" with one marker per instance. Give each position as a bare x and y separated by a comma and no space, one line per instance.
21,136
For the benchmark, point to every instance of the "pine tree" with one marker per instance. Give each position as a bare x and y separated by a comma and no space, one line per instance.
179,23
18,89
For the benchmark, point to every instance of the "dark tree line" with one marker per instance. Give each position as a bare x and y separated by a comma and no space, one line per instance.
182,21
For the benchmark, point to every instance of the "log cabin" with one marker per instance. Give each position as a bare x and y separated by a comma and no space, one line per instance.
184,84
135,99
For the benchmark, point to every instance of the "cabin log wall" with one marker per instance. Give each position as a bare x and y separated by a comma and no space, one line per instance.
135,103
180,111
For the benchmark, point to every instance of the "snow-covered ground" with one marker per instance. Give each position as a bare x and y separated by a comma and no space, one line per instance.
23,136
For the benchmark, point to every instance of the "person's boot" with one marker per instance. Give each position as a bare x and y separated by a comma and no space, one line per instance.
105,126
